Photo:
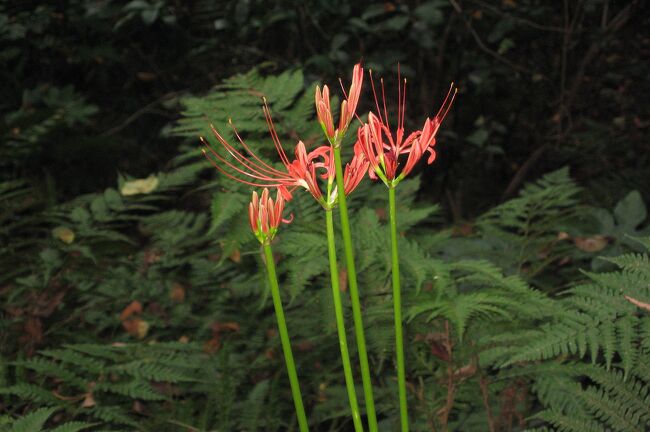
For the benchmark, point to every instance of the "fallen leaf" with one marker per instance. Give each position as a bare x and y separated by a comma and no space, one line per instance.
177,292
465,371
304,346
135,307
214,343
150,256
65,234
235,256
32,334
146,76
563,236
89,400
139,186
591,244
225,326
136,327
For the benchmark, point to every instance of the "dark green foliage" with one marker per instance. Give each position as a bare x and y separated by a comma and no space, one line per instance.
503,328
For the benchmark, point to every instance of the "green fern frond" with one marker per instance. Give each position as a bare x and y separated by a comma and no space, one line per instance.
135,389
609,409
74,426
150,370
569,423
34,421
51,369
31,392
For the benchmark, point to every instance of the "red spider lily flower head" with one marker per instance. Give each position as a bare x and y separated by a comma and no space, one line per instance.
246,167
383,147
348,107
355,170
353,173
304,167
265,215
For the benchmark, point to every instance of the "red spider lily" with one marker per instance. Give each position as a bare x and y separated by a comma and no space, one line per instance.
348,107
265,216
248,168
383,148
353,172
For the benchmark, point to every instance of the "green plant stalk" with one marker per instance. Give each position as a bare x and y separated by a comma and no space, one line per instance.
284,338
397,308
340,324
354,293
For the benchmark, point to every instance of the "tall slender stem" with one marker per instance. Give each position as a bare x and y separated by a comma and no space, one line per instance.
340,324
284,338
354,293
397,308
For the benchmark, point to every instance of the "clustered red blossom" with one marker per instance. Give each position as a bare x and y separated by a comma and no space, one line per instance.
348,107
383,148
376,151
265,215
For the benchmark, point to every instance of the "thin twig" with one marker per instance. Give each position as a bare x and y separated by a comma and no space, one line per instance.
484,47
566,102
451,385
483,383
525,21
144,110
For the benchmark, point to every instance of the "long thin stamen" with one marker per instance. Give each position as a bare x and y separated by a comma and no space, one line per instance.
383,96
401,111
227,174
450,103
444,102
374,93
246,162
399,98
345,95
274,134
403,104
253,155
252,174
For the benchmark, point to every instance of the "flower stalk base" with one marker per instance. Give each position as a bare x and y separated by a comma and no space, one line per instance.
284,338
397,308
354,294
340,324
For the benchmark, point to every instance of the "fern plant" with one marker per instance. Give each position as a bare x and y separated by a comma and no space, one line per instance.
487,344
598,321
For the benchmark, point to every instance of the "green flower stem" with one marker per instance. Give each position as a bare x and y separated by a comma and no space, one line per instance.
354,293
340,324
397,307
284,337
